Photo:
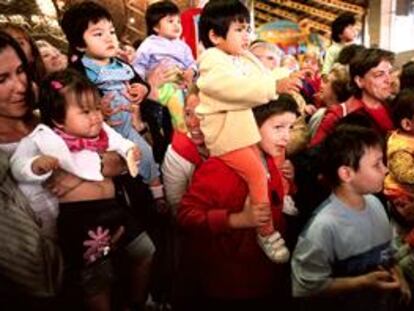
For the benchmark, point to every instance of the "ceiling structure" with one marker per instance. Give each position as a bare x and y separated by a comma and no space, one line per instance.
129,14
315,14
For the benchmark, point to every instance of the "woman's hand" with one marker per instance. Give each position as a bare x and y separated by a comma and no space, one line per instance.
159,76
112,164
61,183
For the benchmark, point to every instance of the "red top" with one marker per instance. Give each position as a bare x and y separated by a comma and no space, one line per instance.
228,262
183,145
333,114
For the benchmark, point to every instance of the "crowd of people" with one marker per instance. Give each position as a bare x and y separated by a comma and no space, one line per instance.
140,177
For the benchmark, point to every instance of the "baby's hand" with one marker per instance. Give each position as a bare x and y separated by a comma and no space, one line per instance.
133,157
188,76
135,92
44,164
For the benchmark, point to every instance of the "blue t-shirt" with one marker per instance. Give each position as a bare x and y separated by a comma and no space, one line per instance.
340,241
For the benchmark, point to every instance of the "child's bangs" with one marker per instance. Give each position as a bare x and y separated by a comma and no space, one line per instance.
86,96
242,18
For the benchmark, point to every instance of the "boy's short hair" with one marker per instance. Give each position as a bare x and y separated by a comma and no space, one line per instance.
345,146
218,15
76,19
157,11
284,103
339,24
407,76
364,61
402,107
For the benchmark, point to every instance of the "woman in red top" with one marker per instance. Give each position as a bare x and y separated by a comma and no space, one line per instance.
371,79
227,266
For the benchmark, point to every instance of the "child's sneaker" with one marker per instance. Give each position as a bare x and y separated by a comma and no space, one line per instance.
274,247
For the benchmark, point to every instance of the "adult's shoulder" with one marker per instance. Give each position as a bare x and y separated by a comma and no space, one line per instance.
217,175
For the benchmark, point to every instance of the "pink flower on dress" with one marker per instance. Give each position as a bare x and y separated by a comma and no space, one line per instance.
98,246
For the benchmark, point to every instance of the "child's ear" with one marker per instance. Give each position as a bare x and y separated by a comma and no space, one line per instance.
407,125
214,38
345,173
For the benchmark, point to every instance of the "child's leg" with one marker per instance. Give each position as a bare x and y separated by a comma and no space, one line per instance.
247,163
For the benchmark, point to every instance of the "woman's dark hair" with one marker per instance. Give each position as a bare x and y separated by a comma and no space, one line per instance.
76,19
217,16
402,107
407,76
284,103
7,41
54,91
157,11
345,146
339,24
37,67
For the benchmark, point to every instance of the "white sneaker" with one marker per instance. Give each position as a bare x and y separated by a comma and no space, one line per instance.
274,247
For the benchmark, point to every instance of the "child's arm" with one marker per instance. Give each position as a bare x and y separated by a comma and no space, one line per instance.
220,81
381,280
28,165
142,60
190,64
312,273
401,165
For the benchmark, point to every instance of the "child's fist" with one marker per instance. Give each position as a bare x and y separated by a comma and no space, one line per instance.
44,164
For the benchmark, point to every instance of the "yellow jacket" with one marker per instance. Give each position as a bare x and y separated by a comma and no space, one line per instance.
228,91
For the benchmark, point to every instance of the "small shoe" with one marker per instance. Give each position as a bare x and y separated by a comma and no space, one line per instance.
274,247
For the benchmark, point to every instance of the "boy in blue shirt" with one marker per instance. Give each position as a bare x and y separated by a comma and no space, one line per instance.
343,258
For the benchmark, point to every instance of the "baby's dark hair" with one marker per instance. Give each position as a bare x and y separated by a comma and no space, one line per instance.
407,76
55,90
345,146
217,16
402,107
339,24
157,11
284,103
76,19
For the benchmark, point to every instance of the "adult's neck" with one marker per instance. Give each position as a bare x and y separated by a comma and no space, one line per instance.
371,102
349,197
13,130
